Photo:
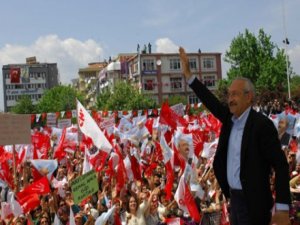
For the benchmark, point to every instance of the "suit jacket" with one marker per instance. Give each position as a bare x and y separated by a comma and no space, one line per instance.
285,139
260,151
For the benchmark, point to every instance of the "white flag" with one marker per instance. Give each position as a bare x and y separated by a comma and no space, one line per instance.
71,217
101,220
89,127
45,166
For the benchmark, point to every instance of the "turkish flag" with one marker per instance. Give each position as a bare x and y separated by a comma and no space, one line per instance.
39,187
15,75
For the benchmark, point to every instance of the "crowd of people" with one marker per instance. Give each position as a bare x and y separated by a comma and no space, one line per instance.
142,198
229,165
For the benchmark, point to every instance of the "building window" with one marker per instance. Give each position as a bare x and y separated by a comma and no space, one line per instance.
209,80
193,64
148,65
208,63
174,64
176,83
148,84
193,99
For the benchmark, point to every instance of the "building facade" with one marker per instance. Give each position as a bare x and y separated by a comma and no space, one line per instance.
31,79
88,82
160,75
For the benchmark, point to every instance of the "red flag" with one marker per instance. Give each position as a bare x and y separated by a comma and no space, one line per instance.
167,155
185,200
59,151
198,137
135,167
4,155
15,75
98,160
174,221
117,220
6,175
169,117
178,159
41,144
121,171
293,146
39,187
225,215
29,202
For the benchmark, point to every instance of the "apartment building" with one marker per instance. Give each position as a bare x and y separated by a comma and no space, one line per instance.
88,82
160,75
31,78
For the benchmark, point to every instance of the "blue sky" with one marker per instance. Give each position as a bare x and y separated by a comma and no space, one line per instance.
74,33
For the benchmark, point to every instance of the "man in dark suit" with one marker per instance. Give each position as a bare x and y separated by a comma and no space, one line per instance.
248,150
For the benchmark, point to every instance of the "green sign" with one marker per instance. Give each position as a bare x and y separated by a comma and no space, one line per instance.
84,186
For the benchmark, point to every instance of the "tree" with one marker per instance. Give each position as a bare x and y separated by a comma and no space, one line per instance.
221,91
295,88
59,98
258,59
24,106
176,99
123,96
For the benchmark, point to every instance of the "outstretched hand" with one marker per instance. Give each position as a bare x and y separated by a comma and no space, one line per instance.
185,63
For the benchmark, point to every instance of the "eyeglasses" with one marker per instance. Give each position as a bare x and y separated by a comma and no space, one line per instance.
234,94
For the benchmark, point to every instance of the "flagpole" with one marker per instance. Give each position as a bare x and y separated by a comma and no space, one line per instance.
286,42
15,170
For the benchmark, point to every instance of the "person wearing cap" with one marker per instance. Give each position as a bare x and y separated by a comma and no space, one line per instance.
248,149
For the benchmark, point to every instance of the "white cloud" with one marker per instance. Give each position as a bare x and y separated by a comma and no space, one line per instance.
294,56
69,54
165,45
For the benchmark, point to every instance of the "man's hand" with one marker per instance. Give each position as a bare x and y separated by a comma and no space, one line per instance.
281,218
185,63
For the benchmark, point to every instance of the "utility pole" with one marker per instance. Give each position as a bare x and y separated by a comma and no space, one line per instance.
286,42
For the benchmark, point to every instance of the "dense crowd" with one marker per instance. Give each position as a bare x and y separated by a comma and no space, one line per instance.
139,178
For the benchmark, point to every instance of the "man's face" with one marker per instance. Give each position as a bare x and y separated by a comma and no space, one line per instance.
282,125
238,99
183,148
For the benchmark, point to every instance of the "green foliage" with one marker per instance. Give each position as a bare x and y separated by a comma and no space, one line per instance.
24,106
221,91
176,99
295,87
59,98
258,59
123,97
